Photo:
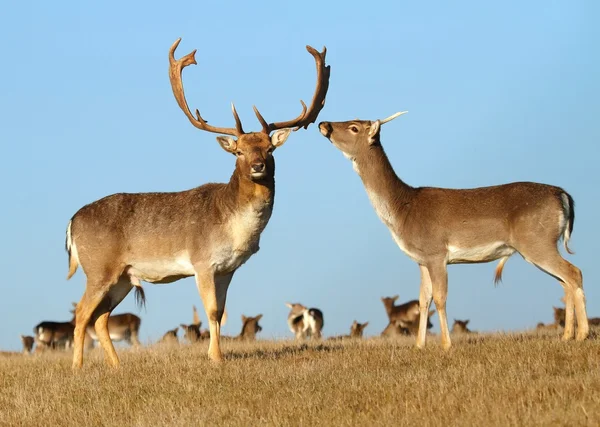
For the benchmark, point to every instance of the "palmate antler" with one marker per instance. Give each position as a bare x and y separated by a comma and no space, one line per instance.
305,118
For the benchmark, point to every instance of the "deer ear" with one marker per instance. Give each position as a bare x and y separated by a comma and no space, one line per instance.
395,297
244,318
228,143
280,136
467,322
257,318
289,305
374,132
364,325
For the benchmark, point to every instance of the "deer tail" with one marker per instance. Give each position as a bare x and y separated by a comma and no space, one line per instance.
71,249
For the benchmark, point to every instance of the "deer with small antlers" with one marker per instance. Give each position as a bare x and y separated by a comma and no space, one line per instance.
207,232
436,227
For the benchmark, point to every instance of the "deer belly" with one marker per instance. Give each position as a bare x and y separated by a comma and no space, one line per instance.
113,336
227,260
157,270
482,253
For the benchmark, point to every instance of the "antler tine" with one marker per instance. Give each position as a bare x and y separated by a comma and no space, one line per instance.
238,123
318,101
175,69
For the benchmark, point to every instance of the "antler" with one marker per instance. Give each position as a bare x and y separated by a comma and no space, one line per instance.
175,69
318,101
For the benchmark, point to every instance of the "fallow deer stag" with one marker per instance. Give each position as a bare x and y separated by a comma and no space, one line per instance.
207,232
439,226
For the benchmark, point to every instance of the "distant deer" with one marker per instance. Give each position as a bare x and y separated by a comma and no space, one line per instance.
356,331
250,327
560,316
394,330
54,335
121,327
170,337
305,322
207,232
28,343
405,315
439,226
460,327
192,331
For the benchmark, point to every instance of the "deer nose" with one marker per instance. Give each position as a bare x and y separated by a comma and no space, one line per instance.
325,128
258,167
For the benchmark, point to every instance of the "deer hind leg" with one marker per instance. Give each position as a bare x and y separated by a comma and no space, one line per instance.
213,291
439,279
425,295
548,259
92,297
115,295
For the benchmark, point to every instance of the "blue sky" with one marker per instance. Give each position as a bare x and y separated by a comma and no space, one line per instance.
497,92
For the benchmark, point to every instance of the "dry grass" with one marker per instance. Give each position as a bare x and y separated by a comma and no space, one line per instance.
484,380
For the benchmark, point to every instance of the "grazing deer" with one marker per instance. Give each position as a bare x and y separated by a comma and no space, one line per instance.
170,337
207,232
405,315
439,226
28,343
394,330
305,322
460,327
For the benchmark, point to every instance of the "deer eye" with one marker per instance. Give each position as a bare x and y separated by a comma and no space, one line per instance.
239,153
354,129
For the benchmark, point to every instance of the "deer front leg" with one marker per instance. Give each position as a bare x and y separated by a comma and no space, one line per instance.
425,295
213,291
438,275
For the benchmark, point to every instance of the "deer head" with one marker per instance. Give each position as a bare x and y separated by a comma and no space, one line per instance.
354,136
253,150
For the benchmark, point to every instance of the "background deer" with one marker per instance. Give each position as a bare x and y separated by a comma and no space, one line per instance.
192,332
460,327
54,335
170,337
439,226
207,232
28,343
121,327
305,322
405,315
356,331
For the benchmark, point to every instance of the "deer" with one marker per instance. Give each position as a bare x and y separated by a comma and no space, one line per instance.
207,232
170,337
250,328
305,322
437,227
192,332
28,343
54,335
356,331
460,327
121,327
405,315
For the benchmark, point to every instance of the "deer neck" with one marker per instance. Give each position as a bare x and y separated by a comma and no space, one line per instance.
387,192
246,192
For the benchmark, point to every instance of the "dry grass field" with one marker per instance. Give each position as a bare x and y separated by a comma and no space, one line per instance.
521,379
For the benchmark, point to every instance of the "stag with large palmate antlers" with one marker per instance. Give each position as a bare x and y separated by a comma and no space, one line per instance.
207,232
439,226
